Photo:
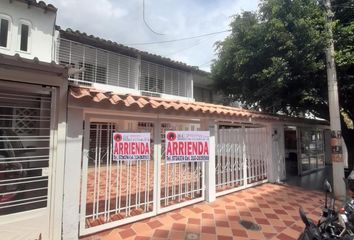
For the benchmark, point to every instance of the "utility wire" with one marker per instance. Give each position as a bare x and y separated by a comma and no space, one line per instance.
179,39
206,63
188,47
146,24
182,49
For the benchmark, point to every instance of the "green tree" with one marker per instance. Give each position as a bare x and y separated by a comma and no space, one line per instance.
274,59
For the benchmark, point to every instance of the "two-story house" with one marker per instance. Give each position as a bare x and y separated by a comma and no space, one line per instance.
64,93
118,88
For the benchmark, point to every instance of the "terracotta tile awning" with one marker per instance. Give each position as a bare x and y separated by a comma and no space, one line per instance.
160,104
148,103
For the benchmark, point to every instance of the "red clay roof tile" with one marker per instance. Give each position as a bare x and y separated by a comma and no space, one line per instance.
144,102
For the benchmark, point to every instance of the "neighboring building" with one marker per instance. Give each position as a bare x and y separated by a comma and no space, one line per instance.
27,28
33,93
32,135
63,95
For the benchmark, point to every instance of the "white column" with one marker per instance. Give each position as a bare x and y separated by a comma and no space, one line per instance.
157,165
276,169
270,165
72,175
244,156
210,187
58,174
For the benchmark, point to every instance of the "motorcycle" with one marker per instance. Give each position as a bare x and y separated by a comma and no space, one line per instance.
312,231
332,224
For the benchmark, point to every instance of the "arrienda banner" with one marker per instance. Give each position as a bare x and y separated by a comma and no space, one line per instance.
187,146
131,146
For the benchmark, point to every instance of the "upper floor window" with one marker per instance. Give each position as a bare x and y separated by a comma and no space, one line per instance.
4,31
24,37
25,34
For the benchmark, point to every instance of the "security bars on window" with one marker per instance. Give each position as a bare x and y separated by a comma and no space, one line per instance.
24,150
115,69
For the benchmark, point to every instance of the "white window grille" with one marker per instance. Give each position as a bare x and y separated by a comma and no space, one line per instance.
25,145
101,66
161,79
114,69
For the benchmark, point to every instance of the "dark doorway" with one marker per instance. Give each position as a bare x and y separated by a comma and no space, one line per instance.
291,159
313,180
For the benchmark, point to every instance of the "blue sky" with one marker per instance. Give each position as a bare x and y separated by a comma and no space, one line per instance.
121,21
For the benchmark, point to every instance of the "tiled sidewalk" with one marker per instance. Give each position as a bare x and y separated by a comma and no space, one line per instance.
273,207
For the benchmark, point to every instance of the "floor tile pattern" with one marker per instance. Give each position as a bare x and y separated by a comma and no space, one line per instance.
274,207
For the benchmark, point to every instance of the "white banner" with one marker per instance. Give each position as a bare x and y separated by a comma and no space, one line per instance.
187,146
131,146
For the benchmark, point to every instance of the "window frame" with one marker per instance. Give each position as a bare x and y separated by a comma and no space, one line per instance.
9,30
29,37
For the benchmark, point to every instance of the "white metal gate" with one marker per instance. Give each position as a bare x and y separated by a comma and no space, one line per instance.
182,183
26,143
114,192
118,192
242,155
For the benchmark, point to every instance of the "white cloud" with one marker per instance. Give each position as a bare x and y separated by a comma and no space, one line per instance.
121,21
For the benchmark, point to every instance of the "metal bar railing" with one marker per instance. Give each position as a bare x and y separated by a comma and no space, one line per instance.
106,67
